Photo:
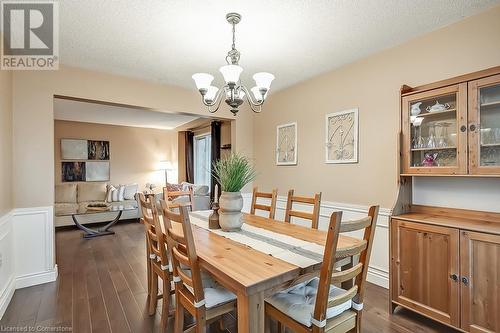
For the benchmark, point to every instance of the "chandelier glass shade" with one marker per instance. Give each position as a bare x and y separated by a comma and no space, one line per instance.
233,92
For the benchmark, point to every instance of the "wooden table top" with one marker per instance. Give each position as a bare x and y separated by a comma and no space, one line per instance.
245,269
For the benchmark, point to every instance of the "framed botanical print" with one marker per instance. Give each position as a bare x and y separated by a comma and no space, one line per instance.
286,144
342,137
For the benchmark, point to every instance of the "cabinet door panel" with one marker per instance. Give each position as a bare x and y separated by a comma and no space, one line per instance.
424,259
484,118
435,132
480,266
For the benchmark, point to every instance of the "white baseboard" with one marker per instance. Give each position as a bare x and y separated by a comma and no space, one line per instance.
378,276
378,271
34,279
6,295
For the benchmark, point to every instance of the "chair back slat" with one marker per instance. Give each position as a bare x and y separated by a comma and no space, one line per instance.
169,196
339,299
352,251
314,216
271,209
183,250
348,274
354,225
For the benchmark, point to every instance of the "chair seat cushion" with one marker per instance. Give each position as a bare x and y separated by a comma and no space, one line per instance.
217,295
298,302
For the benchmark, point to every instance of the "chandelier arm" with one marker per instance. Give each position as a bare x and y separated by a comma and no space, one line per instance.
217,101
255,106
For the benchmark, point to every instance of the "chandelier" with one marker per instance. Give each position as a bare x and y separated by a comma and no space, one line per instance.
233,92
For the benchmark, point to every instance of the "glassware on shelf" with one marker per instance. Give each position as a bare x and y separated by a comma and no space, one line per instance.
443,141
431,142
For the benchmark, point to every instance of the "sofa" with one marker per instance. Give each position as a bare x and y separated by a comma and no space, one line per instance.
71,197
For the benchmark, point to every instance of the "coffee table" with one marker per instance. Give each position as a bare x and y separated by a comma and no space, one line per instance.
101,231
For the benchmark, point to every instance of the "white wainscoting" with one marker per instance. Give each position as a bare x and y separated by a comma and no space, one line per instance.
7,277
378,271
34,247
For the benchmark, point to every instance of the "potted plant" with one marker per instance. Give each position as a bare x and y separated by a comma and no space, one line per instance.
232,172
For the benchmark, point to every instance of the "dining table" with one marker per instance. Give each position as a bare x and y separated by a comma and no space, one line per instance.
253,275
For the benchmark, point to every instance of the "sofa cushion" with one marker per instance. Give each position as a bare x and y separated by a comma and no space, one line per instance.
130,191
65,208
66,193
91,192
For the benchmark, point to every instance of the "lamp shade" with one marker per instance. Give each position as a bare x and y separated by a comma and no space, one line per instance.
231,73
165,165
211,92
263,80
202,80
256,93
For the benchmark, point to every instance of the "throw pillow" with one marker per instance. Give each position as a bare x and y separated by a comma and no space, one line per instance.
130,191
114,195
121,192
109,194
174,187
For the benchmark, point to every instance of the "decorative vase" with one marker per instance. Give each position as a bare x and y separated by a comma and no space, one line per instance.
230,217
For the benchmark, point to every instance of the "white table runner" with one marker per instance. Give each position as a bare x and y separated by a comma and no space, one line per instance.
290,249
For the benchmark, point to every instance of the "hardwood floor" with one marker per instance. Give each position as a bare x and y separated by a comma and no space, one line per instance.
102,288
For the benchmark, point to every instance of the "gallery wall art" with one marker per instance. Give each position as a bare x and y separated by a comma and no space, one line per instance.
286,144
73,172
85,160
97,171
342,137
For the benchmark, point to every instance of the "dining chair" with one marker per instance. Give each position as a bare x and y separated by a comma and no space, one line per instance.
204,299
314,216
318,305
271,209
170,196
158,260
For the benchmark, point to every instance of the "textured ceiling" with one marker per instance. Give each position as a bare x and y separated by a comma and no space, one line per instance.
168,41
117,115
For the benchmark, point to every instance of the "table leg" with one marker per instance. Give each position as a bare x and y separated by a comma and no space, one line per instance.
90,233
251,313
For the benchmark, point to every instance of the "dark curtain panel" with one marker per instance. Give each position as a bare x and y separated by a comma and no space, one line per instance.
189,157
215,133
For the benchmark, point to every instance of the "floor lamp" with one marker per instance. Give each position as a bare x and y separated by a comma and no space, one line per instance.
166,166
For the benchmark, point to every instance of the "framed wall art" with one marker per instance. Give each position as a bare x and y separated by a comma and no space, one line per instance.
286,144
342,137
73,172
97,171
72,149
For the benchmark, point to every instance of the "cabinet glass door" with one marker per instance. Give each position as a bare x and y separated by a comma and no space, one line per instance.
433,132
484,125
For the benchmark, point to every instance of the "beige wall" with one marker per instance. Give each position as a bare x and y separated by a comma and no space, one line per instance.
5,141
134,152
34,125
373,86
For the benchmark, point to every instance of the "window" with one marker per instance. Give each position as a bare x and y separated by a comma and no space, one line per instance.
202,159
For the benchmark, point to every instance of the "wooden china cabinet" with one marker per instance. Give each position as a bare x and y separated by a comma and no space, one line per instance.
445,263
